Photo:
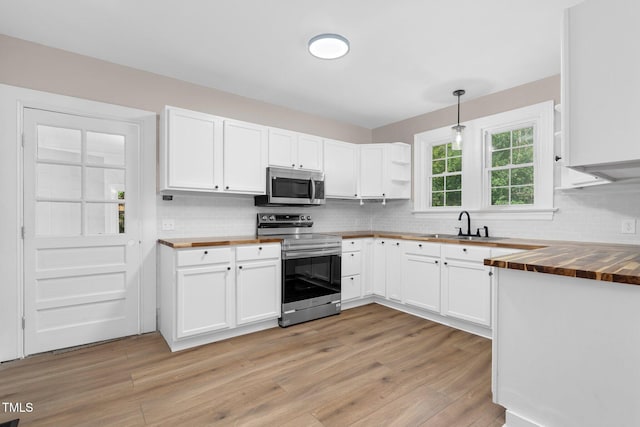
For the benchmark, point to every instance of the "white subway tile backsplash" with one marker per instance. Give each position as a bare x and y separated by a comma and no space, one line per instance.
592,214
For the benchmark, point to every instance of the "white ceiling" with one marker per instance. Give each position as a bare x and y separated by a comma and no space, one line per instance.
406,58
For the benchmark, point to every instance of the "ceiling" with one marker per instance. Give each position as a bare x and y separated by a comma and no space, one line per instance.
406,58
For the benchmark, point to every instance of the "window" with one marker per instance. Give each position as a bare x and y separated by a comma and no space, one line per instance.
446,176
505,166
510,166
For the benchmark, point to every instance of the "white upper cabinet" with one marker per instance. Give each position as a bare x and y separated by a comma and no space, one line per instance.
310,156
385,171
201,152
601,84
245,157
372,170
295,150
340,169
191,154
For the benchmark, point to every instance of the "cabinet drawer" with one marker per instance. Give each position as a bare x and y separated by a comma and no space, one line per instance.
256,252
421,248
351,245
466,252
203,256
351,263
350,287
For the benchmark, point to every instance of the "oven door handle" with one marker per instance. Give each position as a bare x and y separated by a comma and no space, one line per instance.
309,254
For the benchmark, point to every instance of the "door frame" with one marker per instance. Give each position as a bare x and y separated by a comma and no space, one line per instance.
13,100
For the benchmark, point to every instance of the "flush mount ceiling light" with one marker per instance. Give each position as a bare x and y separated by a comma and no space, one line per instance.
328,46
458,129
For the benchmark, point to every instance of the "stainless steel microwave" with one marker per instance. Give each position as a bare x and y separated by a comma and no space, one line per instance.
292,187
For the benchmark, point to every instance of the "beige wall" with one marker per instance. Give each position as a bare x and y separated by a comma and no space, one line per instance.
35,66
519,96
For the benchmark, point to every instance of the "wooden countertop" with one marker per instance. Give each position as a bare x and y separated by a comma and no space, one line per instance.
197,242
598,261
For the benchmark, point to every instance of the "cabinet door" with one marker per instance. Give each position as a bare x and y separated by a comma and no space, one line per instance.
192,149
421,281
245,157
282,148
204,300
379,268
340,169
310,152
372,174
466,292
394,270
366,275
602,80
258,291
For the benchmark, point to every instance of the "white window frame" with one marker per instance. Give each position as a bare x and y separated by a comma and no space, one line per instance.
476,184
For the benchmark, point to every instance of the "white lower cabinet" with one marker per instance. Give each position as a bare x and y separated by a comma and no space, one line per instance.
258,285
466,284
421,275
387,262
351,269
202,300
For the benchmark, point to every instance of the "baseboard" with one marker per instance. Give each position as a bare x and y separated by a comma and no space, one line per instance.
515,420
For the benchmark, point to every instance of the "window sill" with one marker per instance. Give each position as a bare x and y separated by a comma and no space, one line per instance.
497,214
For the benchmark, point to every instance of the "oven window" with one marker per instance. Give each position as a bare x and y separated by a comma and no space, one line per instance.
291,188
306,278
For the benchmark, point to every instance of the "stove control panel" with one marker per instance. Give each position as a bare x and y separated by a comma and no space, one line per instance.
284,220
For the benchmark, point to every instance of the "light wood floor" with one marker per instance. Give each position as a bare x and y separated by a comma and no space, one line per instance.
369,366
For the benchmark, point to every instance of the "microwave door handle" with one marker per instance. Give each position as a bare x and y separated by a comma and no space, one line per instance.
313,189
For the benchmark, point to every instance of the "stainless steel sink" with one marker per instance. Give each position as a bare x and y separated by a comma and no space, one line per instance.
441,236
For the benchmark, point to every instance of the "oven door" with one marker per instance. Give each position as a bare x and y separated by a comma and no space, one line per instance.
308,279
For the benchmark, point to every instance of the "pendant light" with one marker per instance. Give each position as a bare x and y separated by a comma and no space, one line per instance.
458,129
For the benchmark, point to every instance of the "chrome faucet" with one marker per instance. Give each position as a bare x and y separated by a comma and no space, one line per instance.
468,224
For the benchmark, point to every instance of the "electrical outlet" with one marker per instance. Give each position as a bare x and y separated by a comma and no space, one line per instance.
168,224
629,226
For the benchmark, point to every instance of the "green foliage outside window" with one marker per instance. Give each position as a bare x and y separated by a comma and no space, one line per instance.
512,171
446,176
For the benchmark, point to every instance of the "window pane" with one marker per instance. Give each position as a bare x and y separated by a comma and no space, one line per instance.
454,182
522,176
523,155
58,181
437,183
523,136
58,219
500,158
500,196
438,167
437,199
454,164
58,143
454,198
522,195
105,218
104,148
438,152
451,152
500,178
501,140
104,184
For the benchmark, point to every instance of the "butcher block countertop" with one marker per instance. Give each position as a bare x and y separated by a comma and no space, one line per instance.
597,261
198,242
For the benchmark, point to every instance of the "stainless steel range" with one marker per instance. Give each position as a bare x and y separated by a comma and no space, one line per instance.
311,267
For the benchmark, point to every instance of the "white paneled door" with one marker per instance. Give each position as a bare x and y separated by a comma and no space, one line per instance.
81,231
